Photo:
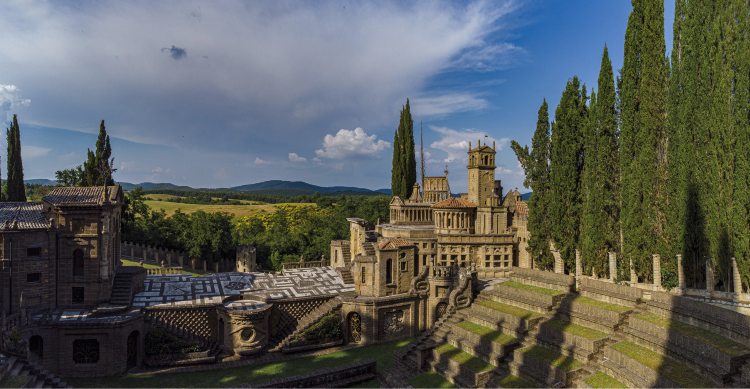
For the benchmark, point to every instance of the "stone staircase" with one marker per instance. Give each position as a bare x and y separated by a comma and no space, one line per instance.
122,289
346,275
308,320
16,372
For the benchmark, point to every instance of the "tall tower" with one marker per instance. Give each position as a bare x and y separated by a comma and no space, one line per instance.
481,174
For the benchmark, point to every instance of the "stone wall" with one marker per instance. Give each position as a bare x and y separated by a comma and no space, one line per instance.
562,282
200,321
611,292
340,376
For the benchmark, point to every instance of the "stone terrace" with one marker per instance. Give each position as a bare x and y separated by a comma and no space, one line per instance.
210,289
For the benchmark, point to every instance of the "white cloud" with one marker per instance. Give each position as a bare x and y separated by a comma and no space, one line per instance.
489,57
444,104
294,157
11,100
455,143
29,151
351,143
259,161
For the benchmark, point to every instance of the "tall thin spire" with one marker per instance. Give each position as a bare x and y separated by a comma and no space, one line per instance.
421,153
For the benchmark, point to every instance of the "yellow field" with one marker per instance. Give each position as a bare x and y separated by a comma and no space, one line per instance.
248,208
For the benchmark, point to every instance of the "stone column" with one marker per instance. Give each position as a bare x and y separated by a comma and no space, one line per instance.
559,264
579,265
657,270
709,278
633,276
205,267
132,250
736,279
680,273
612,265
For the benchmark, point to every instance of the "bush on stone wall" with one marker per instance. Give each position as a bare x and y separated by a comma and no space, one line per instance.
159,342
327,329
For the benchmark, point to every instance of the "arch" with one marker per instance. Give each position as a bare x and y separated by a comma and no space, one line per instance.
36,347
132,349
388,271
78,262
354,326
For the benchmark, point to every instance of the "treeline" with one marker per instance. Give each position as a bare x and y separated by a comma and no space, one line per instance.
285,235
218,196
656,161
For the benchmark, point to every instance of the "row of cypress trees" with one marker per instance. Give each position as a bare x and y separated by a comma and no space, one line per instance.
404,165
658,165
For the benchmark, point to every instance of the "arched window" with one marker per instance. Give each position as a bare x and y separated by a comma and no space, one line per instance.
78,263
389,271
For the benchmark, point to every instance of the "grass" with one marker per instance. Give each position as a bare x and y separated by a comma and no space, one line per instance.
602,304
509,309
14,382
575,329
465,359
161,197
430,380
126,262
511,381
601,380
487,333
532,288
248,375
553,358
237,210
677,372
726,346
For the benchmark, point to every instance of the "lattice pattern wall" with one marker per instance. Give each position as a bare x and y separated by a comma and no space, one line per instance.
197,321
287,314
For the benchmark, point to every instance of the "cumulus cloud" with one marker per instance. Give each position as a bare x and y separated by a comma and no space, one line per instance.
351,143
177,53
444,104
30,151
259,161
455,143
11,100
294,157
322,65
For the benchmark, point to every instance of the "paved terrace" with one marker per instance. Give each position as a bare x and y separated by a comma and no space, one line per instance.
213,288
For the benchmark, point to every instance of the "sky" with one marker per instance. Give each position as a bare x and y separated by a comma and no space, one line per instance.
226,93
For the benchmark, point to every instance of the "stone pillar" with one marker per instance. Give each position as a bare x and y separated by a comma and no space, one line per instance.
132,250
633,276
680,273
559,265
217,266
657,270
709,278
737,280
612,265
579,265
205,267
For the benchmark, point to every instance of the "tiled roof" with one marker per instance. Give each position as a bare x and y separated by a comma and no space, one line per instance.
454,202
393,244
91,195
522,208
23,216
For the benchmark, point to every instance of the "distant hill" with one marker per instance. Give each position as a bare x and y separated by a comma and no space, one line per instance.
40,181
274,186
151,186
526,196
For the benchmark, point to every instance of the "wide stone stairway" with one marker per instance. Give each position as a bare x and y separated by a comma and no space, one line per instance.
540,329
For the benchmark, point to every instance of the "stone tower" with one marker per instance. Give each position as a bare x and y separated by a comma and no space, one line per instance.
482,174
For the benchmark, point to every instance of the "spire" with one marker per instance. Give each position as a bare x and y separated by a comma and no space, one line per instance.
421,152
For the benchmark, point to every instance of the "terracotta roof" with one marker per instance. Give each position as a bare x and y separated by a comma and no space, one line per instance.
91,195
391,244
23,216
454,202
522,208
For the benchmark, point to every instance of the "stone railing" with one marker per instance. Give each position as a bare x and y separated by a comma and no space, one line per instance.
303,264
165,271
443,272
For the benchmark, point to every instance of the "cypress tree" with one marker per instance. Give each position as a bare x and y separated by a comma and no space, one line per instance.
643,134
566,165
404,169
600,197
536,167
16,189
90,174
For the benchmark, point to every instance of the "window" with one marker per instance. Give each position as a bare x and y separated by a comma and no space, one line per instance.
77,295
364,275
389,271
34,252
404,266
85,351
33,277
78,263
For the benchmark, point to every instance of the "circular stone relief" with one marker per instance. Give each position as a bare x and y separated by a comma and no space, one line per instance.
247,334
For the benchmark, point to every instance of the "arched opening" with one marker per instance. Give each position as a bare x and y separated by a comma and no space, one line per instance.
354,324
78,263
389,271
36,347
132,350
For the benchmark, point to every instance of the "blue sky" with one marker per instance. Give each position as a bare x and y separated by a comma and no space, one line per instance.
217,94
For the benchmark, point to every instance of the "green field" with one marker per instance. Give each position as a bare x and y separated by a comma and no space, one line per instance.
247,208
126,262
